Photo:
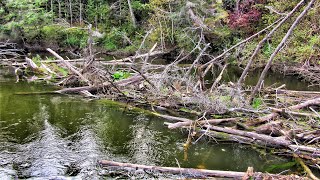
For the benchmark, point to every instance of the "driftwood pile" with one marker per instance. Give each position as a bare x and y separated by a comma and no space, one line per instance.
282,119
289,122
9,50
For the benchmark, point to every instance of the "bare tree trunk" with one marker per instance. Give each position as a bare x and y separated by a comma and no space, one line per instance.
80,11
134,23
265,70
59,4
51,4
96,22
245,71
70,11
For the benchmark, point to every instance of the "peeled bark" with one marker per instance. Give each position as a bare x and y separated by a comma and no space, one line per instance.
203,122
69,66
31,64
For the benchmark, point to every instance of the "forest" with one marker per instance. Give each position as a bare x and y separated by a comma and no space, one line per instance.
221,71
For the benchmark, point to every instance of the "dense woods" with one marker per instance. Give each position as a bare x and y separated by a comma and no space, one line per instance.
199,40
178,24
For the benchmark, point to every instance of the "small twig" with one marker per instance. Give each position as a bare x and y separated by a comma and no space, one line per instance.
314,111
218,78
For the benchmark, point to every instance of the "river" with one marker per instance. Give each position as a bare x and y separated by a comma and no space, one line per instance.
58,136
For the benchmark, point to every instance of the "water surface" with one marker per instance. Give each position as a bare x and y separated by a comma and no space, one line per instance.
54,135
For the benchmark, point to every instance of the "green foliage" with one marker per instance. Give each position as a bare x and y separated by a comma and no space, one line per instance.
120,75
35,22
303,44
137,5
112,40
98,10
267,50
37,59
256,103
63,71
115,38
24,18
76,37
52,32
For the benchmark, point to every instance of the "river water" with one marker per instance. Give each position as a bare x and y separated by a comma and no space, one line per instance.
47,136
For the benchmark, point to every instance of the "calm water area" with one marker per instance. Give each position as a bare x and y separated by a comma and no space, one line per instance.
45,135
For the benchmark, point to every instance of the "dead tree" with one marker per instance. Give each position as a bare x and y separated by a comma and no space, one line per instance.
245,71
133,18
280,45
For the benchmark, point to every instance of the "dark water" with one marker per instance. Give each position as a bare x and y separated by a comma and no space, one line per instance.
273,79
51,135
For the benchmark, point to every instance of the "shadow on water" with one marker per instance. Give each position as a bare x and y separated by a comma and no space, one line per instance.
62,136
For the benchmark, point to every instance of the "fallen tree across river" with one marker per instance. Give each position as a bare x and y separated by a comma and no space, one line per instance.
197,173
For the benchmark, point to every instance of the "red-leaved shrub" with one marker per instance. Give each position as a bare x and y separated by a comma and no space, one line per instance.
245,16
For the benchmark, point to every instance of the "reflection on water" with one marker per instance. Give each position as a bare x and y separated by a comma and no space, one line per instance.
50,135
274,79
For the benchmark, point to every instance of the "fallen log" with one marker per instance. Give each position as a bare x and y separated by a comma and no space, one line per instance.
195,173
274,128
315,151
278,141
315,101
268,140
203,122
70,60
69,66
125,82
128,59
31,64
292,92
173,118
268,117
248,137
222,136
284,111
